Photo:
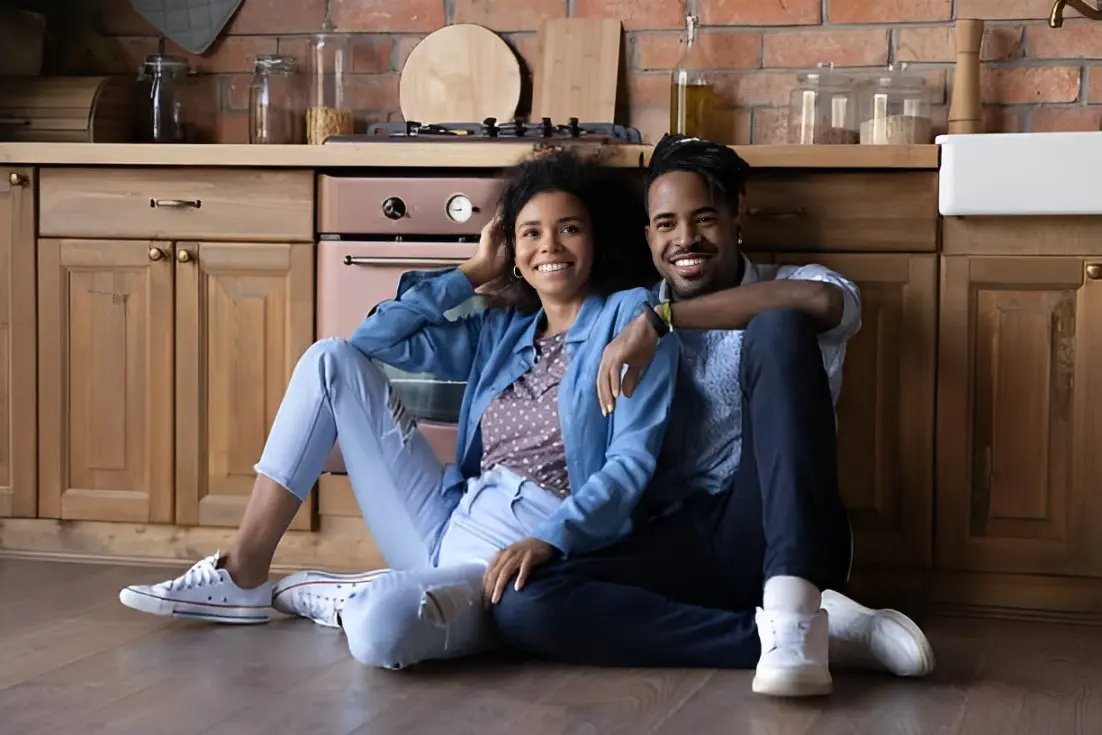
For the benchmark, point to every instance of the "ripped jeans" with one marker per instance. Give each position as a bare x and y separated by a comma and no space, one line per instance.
438,542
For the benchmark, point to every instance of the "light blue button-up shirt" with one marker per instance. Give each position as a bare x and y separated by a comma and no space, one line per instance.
610,460
703,446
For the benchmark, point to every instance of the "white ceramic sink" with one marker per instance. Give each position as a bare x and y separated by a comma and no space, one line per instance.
1021,174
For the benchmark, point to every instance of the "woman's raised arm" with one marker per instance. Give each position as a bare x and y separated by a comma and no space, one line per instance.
411,332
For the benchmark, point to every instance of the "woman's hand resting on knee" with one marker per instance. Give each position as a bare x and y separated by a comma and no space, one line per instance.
519,559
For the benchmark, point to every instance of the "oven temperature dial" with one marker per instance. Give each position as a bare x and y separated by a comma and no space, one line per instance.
394,208
460,208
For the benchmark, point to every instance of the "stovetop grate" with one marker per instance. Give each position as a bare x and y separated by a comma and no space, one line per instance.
491,129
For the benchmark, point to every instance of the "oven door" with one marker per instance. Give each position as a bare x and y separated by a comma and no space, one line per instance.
353,278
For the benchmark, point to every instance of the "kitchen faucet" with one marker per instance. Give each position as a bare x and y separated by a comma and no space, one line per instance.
1056,17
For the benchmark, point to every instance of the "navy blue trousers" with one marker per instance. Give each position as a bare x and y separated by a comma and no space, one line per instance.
681,590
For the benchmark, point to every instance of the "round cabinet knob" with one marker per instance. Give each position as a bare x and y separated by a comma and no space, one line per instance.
17,179
1094,271
156,253
184,256
394,208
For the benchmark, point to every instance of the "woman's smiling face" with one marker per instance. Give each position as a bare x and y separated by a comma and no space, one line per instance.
554,246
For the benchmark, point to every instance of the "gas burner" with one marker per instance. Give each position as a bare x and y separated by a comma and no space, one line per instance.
490,129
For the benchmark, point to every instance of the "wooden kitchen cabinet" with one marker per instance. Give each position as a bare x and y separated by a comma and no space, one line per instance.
162,365
18,412
841,211
1020,424
105,371
244,315
885,411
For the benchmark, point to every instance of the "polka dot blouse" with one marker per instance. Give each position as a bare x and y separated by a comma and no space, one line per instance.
520,428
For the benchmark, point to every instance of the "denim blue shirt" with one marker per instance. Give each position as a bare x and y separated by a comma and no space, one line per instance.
610,460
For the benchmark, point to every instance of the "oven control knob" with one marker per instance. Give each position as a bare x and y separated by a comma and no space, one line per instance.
394,208
460,208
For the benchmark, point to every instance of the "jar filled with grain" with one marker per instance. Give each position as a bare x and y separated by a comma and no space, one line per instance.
895,109
328,109
823,108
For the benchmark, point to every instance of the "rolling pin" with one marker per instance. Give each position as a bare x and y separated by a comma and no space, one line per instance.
964,109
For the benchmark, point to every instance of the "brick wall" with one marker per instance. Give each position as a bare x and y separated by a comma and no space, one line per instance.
1034,78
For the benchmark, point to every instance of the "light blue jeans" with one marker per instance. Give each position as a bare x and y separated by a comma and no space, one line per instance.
438,543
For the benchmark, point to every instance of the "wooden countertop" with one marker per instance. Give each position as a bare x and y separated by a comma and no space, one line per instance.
431,155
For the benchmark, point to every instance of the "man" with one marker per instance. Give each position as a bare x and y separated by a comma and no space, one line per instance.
742,544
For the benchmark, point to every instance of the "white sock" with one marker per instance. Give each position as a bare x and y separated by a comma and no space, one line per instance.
791,594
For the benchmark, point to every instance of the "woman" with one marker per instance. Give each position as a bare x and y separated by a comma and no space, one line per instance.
543,470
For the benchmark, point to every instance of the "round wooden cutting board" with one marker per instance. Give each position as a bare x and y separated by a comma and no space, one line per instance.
461,73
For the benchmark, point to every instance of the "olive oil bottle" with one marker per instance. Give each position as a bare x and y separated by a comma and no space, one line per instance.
692,90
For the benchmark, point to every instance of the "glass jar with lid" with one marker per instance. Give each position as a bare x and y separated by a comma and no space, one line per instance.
895,109
823,108
275,102
692,91
328,109
163,79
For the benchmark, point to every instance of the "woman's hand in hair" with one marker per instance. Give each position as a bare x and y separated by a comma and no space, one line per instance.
517,560
489,260
632,348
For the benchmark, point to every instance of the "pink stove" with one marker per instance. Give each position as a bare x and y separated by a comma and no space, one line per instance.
375,228
373,231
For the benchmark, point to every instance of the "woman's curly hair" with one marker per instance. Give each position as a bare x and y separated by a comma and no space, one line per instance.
613,199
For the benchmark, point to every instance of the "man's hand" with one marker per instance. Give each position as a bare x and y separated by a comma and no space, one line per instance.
519,559
633,347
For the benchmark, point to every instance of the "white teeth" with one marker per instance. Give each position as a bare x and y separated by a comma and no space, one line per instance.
688,261
551,267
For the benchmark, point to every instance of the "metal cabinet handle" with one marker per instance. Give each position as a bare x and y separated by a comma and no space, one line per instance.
1094,271
412,262
156,254
184,256
775,213
176,203
17,179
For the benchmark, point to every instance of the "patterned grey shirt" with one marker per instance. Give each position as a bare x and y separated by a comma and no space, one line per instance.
521,429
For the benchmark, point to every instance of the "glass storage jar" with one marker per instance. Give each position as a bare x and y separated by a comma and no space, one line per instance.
692,92
328,111
895,110
163,80
275,102
823,108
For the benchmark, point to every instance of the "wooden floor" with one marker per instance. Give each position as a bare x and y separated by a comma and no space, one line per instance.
72,660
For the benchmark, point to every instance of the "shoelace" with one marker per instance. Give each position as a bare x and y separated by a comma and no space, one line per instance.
202,573
317,607
789,635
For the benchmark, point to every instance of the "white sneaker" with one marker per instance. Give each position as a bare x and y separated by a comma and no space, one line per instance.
319,596
884,640
204,592
794,651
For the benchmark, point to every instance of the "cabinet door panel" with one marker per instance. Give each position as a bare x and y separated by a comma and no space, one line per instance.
244,316
886,408
18,382
105,359
1021,340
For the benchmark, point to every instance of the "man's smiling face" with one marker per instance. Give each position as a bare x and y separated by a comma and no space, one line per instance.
693,236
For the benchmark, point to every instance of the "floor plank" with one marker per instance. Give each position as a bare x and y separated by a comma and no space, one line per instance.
73,660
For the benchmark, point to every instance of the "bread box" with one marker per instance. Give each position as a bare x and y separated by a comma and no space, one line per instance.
68,109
